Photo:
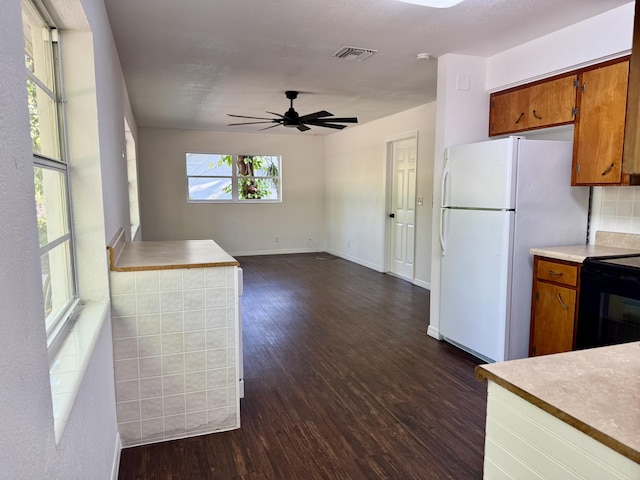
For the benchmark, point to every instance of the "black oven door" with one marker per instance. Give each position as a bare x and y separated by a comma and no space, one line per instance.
609,306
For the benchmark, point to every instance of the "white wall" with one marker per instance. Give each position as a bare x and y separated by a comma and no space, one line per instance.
356,208
297,222
89,443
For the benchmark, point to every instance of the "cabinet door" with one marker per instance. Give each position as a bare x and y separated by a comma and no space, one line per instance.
508,112
599,129
553,319
551,103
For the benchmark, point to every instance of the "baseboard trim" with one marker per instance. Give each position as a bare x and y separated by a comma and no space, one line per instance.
344,256
422,284
434,332
116,458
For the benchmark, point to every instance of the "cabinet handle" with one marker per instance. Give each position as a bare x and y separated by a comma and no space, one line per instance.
520,118
536,115
564,305
555,274
607,170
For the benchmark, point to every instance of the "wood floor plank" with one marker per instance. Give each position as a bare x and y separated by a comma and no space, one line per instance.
341,382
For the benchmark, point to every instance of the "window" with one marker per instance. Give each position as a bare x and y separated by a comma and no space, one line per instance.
50,171
215,177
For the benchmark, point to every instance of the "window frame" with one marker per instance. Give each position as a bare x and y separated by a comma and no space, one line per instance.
59,327
235,179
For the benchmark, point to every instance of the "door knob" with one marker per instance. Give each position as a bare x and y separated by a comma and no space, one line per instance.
392,215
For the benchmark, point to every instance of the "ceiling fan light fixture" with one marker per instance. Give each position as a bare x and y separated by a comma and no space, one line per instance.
433,3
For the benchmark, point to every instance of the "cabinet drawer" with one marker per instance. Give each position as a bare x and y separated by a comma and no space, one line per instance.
557,272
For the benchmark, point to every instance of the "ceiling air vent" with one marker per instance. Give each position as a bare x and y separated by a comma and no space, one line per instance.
354,53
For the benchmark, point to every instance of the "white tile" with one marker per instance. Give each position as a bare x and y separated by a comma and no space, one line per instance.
215,277
128,390
147,282
172,343
217,417
216,378
151,387
123,305
194,341
216,297
153,428
194,320
196,421
128,411
195,361
126,369
194,299
232,416
173,384
193,278
171,301
216,317
623,224
150,346
216,338
129,432
231,274
151,408
124,327
150,367
174,425
172,364
149,324
625,208
625,194
195,381
148,303
170,280
232,296
196,401
232,375
121,283
172,322
232,356
232,395
231,336
217,398
217,358
174,404
124,348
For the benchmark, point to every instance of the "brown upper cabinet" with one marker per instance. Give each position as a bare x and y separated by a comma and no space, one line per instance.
599,127
539,105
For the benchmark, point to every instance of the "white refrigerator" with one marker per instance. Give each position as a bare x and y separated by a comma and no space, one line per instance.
499,199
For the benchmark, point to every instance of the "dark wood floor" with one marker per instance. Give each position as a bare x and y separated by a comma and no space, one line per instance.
342,382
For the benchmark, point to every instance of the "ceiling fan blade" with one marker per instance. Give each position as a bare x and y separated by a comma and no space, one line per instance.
253,123
267,128
339,120
313,116
328,125
303,128
256,118
276,114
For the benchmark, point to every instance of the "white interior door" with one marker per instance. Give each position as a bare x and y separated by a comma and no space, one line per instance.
403,207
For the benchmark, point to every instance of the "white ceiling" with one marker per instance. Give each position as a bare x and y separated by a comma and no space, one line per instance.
187,63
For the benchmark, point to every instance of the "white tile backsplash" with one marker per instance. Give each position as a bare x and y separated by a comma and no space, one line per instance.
174,344
615,209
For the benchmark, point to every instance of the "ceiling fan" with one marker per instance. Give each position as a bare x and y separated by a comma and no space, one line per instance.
292,119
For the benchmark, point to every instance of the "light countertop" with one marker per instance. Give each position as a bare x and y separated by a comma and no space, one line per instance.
137,256
596,391
577,253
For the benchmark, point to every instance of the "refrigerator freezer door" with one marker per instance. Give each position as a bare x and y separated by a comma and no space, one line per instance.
481,175
475,280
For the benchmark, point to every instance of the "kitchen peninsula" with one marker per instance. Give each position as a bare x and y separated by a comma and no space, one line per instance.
573,415
175,319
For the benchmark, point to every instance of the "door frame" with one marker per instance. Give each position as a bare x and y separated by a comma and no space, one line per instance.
388,182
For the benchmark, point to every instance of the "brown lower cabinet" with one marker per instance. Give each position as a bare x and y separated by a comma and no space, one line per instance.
554,306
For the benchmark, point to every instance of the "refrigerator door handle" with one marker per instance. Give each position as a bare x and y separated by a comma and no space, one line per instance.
443,244
443,186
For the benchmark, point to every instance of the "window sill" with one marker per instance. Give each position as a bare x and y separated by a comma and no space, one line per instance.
70,363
